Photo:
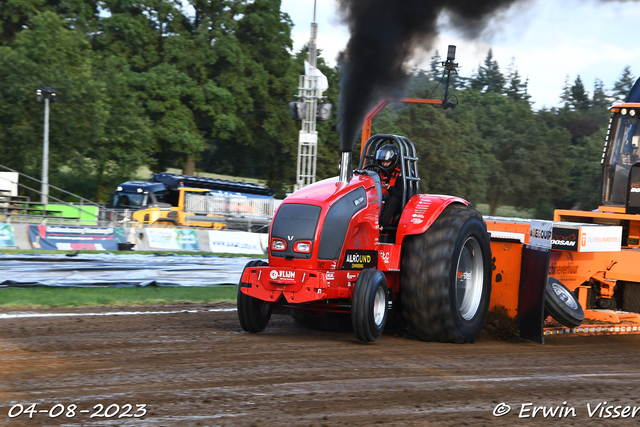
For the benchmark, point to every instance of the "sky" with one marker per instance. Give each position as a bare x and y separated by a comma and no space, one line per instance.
547,40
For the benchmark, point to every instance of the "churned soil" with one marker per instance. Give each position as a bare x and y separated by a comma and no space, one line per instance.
198,368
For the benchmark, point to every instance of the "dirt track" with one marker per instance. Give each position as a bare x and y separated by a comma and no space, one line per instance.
199,369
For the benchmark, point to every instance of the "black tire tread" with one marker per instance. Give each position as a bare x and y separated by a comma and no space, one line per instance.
426,258
248,307
559,310
631,298
364,291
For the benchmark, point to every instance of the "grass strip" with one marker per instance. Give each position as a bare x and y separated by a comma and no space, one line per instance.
40,297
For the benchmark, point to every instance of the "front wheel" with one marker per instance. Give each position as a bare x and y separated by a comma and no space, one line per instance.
562,305
369,305
254,314
446,277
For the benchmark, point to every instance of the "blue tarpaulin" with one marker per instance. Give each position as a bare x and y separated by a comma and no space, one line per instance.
91,270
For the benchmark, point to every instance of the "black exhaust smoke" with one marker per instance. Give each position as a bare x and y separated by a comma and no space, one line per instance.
384,36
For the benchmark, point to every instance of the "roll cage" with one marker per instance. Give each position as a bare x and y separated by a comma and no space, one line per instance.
407,161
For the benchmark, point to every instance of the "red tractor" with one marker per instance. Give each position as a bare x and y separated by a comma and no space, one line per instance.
327,255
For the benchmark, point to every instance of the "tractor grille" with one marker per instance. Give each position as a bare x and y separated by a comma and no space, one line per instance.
295,222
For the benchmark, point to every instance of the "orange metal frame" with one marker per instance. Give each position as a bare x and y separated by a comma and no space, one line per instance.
366,126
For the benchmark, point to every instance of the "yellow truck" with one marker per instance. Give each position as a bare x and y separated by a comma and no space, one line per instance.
178,200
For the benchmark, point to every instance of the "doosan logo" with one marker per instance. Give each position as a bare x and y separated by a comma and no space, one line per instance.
282,275
570,243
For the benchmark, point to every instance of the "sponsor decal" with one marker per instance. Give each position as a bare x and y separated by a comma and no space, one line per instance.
464,275
559,269
358,201
351,276
416,220
565,239
330,275
6,236
358,260
540,233
417,215
385,256
77,238
600,238
282,275
635,190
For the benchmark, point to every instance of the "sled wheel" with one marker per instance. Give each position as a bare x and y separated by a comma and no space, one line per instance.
446,277
254,314
369,305
562,305
631,297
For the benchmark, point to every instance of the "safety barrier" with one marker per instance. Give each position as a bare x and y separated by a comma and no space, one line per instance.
52,237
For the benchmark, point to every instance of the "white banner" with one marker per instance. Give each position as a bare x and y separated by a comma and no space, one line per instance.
540,233
172,239
599,238
238,242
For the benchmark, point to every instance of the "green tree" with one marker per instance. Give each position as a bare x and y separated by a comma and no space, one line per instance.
579,98
488,78
528,159
16,15
515,88
623,85
48,54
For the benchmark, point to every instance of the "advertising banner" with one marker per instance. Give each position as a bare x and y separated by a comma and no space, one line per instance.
540,233
600,238
172,239
7,239
238,242
565,239
68,237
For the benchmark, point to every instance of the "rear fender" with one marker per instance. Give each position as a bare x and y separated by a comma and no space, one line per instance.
421,211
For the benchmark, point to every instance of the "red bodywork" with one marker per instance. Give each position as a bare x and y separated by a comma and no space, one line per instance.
295,281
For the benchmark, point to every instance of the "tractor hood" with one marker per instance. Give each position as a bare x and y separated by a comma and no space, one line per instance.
318,215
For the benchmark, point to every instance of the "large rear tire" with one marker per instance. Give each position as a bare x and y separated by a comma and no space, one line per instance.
631,297
446,277
369,305
254,314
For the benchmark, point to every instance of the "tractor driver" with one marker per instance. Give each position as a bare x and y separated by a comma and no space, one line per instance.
392,189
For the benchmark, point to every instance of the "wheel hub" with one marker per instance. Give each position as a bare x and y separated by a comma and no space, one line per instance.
469,278
379,307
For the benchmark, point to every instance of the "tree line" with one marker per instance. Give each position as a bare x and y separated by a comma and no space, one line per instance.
152,83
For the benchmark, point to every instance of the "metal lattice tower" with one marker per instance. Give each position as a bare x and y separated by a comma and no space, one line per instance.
309,93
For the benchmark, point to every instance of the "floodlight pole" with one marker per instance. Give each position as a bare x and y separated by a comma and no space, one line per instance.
44,197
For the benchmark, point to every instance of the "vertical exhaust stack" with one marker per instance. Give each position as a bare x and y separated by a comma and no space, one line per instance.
346,170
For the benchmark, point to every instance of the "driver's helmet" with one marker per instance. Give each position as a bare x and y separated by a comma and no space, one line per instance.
388,152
